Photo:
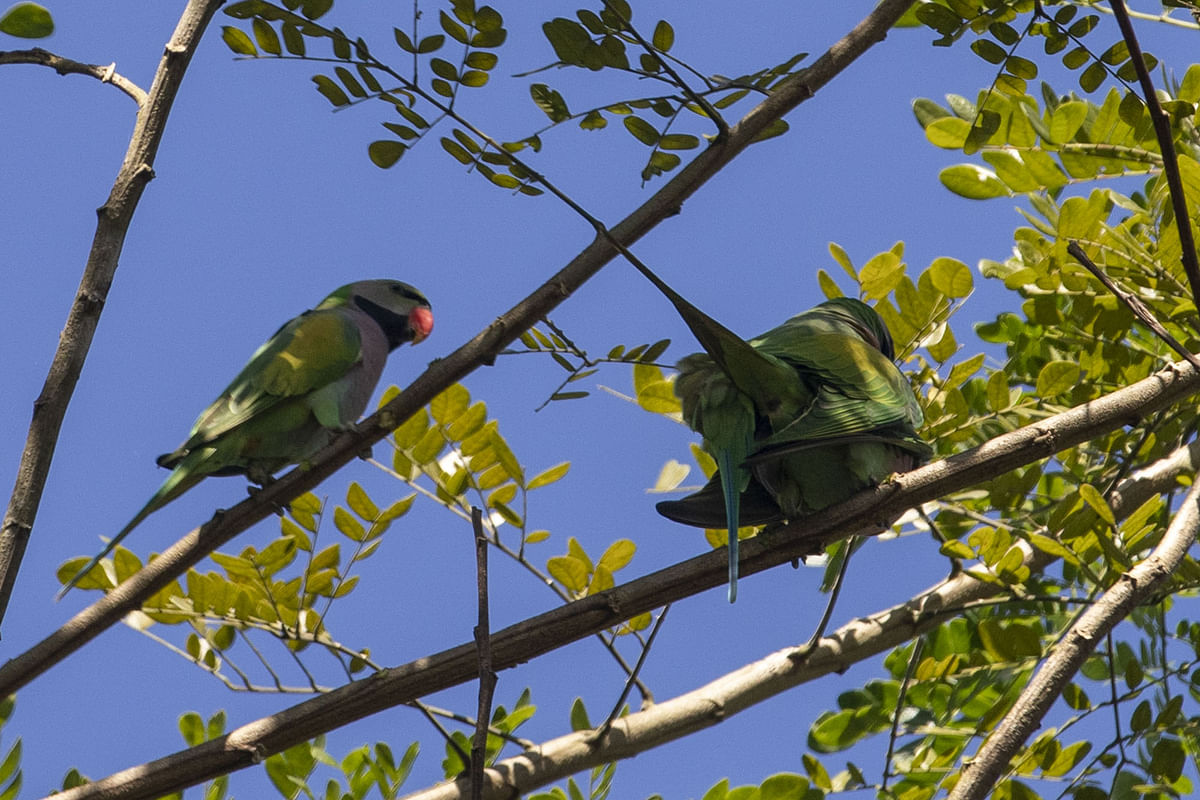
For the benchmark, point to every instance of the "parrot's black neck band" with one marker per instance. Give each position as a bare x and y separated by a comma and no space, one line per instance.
394,326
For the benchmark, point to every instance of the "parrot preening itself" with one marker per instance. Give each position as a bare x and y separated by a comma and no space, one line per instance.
307,383
799,418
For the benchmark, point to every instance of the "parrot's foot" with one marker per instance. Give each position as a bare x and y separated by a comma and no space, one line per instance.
260,476
255,491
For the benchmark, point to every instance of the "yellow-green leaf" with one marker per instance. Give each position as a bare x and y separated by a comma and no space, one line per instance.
1094,499
570,572
1056,378
618,555
670,476
951,277
549,476
973,182
348,525
506,458
448,405
360,503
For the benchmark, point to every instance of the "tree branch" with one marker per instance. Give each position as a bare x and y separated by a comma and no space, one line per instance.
560,626
1132,302
483,648
66,66
114,217
1162,132
482,349
980,774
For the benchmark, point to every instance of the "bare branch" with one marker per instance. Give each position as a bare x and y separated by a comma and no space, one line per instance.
483,648
114,217
67,66
482,349
980,774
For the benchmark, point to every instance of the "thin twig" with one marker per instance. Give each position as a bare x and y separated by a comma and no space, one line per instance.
1133,303
637,668
1162,132
67,66
913,660
702,102
848,547
1112,688
483,648
427,712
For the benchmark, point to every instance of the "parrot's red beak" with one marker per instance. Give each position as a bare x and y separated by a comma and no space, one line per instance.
420,319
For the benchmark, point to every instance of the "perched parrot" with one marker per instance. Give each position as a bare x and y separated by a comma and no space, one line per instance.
307,383
797,419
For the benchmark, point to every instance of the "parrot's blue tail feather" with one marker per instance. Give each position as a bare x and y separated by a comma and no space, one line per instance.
729,484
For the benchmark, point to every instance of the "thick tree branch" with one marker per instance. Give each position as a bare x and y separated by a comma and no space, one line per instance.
560,626
483,349
66,66
114,217
981,773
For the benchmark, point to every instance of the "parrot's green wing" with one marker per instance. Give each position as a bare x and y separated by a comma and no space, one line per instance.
309,352
859,388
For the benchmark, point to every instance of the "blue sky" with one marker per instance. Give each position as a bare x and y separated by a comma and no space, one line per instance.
264,201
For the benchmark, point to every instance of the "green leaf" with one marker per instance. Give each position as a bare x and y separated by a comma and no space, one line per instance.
450,404
550,102
1092,77
617,556
678,141
570,572
549,476
973,182
1097,502
348,525
951,277
385,153
239,42
1057,378
360,503
664,36
948,133
431,44
191,726
326,86
32,21
266,37
988,50
579,716
643,131
403,41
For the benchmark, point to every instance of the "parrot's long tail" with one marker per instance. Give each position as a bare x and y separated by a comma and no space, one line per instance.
729,485
179,481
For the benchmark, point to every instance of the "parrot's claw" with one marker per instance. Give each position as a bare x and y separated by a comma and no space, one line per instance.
255,491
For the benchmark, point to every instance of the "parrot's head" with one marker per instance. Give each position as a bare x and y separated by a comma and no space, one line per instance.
400,310
866,321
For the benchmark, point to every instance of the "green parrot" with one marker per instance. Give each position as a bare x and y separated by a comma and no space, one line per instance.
307,383
797,419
